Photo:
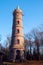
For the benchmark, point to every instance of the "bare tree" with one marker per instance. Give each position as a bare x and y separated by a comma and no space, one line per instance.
8,41
28,41
36,36
28,45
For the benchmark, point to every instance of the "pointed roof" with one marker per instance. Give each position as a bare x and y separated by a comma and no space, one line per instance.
18,9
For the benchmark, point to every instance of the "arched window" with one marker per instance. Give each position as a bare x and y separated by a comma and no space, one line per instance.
18,22
18,41
18,31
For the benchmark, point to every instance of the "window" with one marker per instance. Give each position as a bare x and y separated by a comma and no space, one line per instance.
18,41
17,30
18,22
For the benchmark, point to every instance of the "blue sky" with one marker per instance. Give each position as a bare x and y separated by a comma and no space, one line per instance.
32,10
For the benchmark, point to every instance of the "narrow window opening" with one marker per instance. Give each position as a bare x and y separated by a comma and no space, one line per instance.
17,30
18,41
18,22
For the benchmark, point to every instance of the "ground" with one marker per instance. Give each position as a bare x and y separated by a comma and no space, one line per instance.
24,63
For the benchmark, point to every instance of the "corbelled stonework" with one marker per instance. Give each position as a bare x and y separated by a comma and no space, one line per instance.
17,41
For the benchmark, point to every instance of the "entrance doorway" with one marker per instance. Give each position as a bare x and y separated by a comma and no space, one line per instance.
17,54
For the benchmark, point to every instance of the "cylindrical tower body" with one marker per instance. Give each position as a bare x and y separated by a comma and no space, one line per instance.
17,40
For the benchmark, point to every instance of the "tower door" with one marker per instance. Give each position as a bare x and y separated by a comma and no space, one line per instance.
17,54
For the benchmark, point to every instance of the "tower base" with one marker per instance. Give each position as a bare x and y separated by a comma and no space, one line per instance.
16,55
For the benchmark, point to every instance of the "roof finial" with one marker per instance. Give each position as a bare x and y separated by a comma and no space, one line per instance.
18,6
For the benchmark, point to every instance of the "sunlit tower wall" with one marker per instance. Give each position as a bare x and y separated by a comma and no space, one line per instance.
17,40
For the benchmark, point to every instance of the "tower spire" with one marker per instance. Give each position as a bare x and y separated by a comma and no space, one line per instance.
18,7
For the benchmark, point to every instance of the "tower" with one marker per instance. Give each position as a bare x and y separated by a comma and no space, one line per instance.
17,40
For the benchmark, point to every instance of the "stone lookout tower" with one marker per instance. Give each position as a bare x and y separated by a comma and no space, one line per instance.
17,40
